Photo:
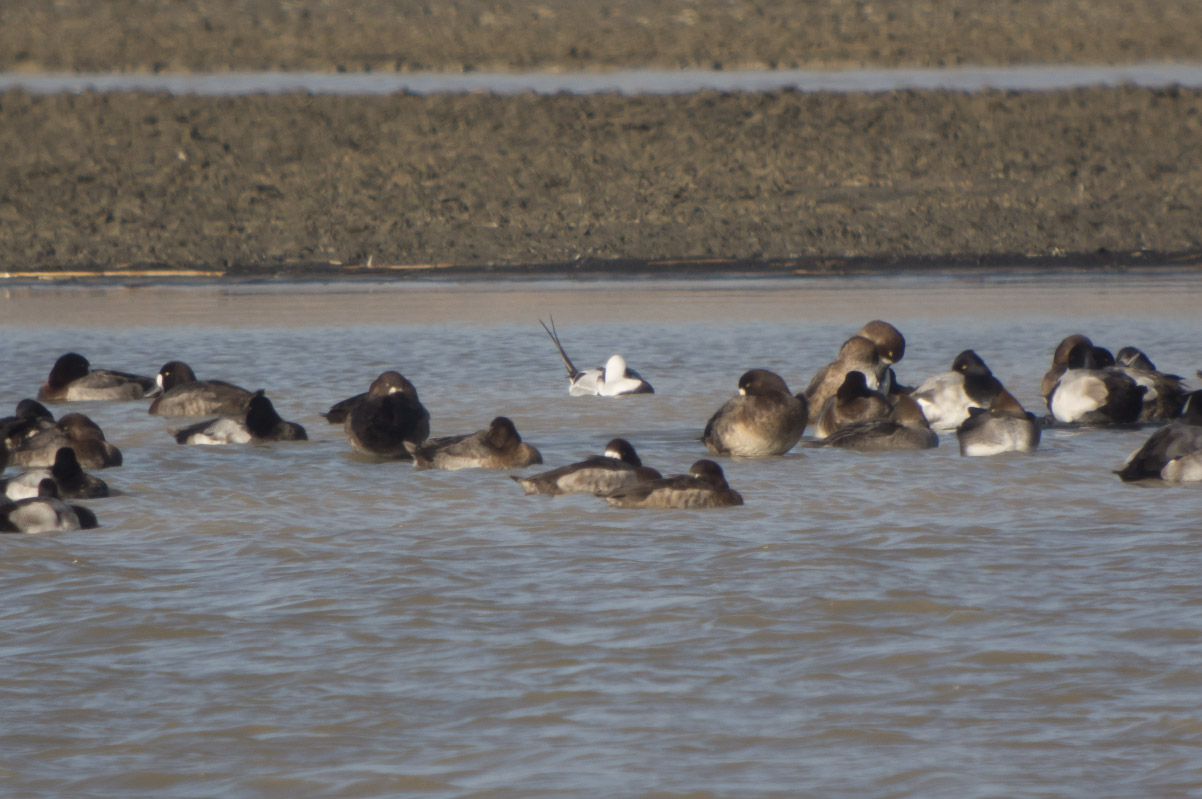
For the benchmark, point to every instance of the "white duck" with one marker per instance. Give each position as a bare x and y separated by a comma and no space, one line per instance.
613,380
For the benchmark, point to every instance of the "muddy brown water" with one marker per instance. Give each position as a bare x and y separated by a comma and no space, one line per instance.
293,620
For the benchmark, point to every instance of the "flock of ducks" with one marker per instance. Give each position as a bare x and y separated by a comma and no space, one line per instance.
854,402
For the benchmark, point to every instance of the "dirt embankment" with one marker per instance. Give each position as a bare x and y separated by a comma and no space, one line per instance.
105,180
455,35
101,181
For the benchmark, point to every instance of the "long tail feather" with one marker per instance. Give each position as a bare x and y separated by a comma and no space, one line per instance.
554,334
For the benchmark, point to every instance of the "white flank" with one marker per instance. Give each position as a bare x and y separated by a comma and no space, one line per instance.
223,431
1080,391
943,401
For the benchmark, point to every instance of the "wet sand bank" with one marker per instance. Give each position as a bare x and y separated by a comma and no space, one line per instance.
905,299
775,182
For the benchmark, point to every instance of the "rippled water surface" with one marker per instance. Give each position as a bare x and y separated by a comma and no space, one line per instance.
292,620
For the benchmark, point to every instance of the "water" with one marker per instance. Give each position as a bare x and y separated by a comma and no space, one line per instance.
1022,77
292,620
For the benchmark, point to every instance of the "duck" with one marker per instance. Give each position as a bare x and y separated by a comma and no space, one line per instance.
946,397
497,447
890,343
338,412
904,429
44,513
618,467
30,417
1091,393
184,395
386,418
74,430
762,419
853,402
69,478
1005,426
1102,357
72,379
259,424
1174,452
857,354
1186,469
615,379
704,486
1165,394
890,348
1060,362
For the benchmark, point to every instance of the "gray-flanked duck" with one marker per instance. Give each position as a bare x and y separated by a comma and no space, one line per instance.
1174,452
44,513
1002,427
619,466
184,395
904,429
497,447
260,424
72,379
69,478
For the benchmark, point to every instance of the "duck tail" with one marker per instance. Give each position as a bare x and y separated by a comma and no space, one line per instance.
554,334
1134,469
528,485
421,460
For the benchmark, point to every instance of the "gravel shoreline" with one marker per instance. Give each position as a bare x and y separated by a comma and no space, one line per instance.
702,183
262,183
